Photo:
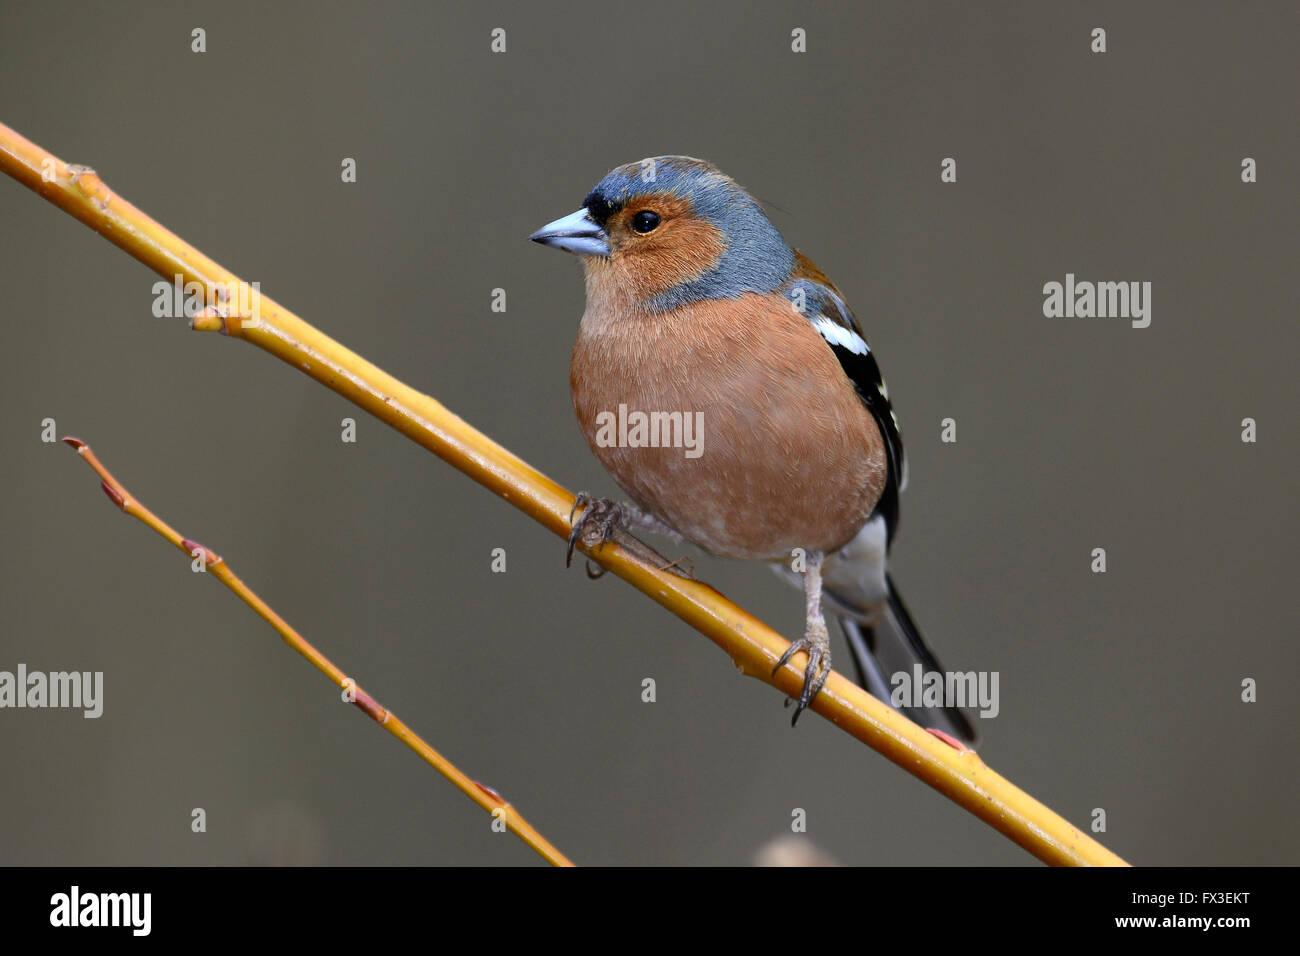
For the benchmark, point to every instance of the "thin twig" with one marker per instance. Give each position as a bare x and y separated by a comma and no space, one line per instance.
954,771
484,796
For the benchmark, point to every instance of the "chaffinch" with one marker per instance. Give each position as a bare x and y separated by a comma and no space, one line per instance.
724,383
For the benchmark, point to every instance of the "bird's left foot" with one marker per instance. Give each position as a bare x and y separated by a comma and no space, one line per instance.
601,517
817,643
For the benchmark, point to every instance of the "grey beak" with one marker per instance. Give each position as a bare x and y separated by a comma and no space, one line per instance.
577,233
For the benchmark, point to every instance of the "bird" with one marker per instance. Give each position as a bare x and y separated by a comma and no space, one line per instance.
723,382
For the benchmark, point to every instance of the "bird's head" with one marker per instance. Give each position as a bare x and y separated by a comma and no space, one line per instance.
669,231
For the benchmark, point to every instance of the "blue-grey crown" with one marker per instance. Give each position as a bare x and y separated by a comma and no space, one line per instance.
756,257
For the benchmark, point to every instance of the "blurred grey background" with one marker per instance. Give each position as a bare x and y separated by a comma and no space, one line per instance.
1118,691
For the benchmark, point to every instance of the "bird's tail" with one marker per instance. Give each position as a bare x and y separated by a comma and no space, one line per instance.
890,645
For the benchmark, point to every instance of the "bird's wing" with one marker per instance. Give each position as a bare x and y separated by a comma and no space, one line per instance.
813,294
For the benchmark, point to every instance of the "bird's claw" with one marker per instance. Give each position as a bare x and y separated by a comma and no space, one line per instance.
600,515
815,673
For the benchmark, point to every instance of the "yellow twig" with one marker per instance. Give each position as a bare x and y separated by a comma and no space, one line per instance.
954,771
484,796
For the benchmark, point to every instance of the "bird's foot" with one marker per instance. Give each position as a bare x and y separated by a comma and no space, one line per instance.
601,517
817,643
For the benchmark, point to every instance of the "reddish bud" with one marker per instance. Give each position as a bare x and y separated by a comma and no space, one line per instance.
114,494
490,792
370,706
209,556
951,741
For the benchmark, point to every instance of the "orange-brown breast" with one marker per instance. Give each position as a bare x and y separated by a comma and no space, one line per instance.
790,456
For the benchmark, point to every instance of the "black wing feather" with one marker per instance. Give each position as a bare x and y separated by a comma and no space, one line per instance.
838,326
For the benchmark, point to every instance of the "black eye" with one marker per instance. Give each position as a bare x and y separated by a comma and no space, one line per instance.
645,221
